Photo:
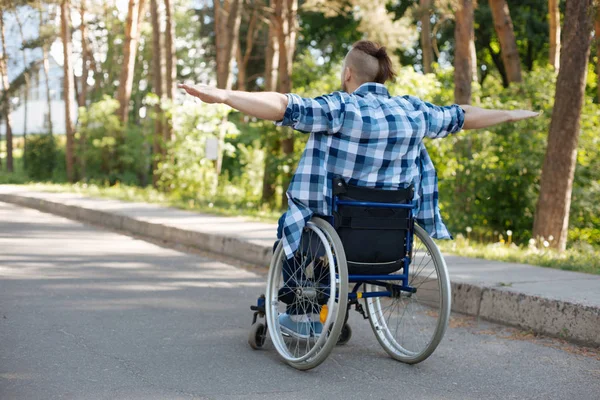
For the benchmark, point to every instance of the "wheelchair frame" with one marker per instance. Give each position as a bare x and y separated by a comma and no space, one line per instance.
258,332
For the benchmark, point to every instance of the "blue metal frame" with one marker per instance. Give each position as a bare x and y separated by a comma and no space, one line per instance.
382,280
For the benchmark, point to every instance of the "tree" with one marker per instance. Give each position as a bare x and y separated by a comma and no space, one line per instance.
286,28
464,60
243,57
6,102
171,58
552,212
26,76
46,67
132,33
84,59
554,16
227,17
84,86
171,64
426,45
157,84
68,85
271,144
506,35
375,21
598,53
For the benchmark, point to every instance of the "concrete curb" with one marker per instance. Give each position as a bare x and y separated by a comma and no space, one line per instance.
577,323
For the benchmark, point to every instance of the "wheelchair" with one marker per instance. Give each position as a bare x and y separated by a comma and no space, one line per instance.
399,280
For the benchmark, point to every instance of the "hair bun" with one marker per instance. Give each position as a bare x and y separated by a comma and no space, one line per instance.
381,53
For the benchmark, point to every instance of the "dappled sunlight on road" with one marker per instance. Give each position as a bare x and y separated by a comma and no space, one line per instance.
93,270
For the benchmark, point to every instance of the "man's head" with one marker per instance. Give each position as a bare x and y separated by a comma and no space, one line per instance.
366,62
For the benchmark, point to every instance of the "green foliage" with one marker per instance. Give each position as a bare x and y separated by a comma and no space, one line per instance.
112,153
492,175
40,157
185,172
489,179
18,176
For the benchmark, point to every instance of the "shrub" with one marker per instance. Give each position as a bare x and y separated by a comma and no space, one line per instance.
40,157
112,153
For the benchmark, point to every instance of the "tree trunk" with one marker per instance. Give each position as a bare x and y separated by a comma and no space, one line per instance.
157,86
552,212
132,34
497,59
46,69
285,15
171,64
426,45
271,144
26,93
6,104
504,29
463,55
227,27
84,58
68,84
554,16
244,58
170,50
228,18
598,54
84,88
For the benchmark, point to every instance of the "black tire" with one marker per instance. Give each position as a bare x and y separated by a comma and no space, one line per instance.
345,335
320,235
257,335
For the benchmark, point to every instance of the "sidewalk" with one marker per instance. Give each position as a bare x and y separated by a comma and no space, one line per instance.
553,302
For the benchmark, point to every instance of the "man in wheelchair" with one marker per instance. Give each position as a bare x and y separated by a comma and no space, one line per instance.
364,135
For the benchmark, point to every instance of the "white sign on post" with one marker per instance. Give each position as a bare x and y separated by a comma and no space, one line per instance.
211,148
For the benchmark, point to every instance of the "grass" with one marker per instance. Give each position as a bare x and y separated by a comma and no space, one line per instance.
18,176
151,195
580,257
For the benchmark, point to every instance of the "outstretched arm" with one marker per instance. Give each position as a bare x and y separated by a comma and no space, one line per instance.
476,117
264,105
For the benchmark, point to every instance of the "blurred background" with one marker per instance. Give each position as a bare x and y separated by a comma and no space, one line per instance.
89,102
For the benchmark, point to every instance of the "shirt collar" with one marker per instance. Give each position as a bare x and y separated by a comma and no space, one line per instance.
372,87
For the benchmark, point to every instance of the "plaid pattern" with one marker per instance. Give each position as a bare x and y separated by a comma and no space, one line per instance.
372,140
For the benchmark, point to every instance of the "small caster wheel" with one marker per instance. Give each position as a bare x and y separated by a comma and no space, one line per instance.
345,335
257,335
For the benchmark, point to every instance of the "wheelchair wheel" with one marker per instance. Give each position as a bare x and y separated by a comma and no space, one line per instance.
257,335
409,326
345,335
319,285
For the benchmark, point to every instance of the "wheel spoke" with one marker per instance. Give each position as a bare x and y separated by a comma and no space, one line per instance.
410,326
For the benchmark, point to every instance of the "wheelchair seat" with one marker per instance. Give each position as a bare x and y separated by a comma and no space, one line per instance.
374,238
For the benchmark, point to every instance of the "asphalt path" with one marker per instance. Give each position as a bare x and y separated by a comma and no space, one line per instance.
90,314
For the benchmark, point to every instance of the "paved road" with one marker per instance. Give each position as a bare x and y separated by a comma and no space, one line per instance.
90,314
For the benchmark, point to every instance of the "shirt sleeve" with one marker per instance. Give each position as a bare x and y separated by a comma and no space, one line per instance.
324,114
440,121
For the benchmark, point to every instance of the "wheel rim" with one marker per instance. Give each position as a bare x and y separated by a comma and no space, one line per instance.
317,246
410,326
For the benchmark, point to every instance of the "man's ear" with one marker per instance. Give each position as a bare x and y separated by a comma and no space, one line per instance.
347,74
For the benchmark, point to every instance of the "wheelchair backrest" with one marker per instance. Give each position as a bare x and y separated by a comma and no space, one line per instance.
374,237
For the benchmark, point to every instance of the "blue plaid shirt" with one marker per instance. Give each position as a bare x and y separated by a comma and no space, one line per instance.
372,140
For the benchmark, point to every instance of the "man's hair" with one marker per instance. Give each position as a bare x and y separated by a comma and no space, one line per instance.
370,62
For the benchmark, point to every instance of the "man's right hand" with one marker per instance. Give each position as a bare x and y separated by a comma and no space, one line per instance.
264,105
207,94
476,118
517,115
